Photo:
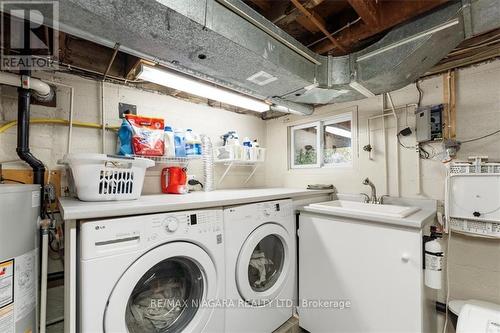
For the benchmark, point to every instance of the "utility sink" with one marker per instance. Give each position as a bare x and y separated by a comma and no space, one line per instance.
365,209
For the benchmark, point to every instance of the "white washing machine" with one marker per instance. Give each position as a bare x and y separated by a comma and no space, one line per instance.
260,266
152,273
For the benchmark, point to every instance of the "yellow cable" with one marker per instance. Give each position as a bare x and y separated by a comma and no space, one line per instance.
64,122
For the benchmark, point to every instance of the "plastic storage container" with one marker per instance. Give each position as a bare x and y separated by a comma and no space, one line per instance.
190,143
100,177
169,142
239,154
180,143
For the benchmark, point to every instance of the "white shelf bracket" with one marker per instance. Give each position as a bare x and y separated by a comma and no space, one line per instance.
252,173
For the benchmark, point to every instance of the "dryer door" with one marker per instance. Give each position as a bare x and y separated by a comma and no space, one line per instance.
263,264
163,291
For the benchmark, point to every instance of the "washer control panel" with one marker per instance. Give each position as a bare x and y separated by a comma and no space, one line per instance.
108,237
185,224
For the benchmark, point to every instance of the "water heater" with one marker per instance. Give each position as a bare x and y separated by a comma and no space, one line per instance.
19,211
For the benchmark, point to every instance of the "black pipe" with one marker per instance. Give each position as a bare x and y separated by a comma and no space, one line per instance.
441,307
23,150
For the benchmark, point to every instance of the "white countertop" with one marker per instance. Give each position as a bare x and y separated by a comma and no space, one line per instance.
74,209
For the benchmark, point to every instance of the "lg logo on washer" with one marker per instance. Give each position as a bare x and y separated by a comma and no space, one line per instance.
100,227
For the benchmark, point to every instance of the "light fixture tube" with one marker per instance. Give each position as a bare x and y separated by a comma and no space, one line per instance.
183,83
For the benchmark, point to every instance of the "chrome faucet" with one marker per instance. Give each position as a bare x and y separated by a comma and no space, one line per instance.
373,197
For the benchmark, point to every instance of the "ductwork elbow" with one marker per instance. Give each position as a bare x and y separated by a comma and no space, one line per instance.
41,90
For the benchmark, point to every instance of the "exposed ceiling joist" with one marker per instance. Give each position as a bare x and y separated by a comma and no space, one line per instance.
368,10
293,14
392,13
308,24
320,25
262,4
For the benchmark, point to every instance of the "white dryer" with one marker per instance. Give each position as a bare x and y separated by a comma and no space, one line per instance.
152,273
260,266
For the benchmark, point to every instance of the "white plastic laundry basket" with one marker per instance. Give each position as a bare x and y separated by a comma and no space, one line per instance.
99,177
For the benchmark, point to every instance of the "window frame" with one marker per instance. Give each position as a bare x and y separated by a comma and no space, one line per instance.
319,148
335,120
319,124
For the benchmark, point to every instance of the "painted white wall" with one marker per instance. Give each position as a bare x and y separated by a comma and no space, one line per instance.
49,142
474,263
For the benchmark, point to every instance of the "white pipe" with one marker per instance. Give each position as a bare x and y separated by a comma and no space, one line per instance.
71,107
44,224
370,157
398,190
419,187
103,119
41,88
386,167
70,118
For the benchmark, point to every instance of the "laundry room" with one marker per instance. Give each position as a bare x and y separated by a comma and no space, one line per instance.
250,166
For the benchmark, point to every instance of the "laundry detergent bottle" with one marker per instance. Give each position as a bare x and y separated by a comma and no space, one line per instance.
180,143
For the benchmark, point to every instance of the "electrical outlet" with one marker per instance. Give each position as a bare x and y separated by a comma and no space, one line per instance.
126,108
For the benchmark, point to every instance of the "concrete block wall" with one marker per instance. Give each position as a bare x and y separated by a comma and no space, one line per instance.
49,142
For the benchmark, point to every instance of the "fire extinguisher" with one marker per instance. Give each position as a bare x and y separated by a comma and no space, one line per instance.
433,261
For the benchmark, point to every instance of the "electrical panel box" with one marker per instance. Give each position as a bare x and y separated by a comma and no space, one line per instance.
429,123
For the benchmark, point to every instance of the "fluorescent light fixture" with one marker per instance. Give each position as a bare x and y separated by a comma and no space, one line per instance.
361,89
181,82
424,33
338,131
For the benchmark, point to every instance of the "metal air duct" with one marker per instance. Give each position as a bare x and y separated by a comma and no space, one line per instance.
228,43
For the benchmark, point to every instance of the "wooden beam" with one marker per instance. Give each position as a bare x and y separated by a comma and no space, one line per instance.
391,14
293,14
368,10
449,100
308,24
262,4
320,26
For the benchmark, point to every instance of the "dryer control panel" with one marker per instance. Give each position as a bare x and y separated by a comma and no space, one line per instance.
108,237
262,211
274,209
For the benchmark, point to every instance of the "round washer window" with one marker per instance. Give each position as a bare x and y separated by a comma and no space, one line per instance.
266,263
166,298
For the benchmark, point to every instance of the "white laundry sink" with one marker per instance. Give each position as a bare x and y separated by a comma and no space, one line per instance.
365,209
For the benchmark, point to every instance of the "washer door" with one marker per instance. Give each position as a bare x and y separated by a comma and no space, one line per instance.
263,264
164,291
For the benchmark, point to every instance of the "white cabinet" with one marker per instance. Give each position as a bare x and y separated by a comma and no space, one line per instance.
357,276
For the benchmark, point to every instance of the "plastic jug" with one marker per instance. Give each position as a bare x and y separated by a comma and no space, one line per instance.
180,143
169,142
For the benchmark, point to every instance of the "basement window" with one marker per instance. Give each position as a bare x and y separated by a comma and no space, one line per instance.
325,143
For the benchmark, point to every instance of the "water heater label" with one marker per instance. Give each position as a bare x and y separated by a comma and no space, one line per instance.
35,199
7,296
6,283
25,285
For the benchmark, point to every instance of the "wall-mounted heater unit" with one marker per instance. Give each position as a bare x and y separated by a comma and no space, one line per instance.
472,200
